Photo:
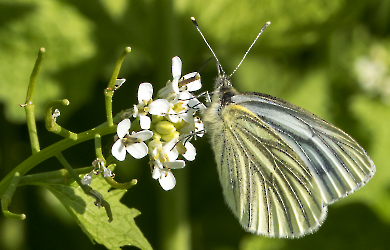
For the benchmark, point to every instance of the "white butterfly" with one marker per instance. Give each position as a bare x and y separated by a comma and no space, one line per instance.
280,166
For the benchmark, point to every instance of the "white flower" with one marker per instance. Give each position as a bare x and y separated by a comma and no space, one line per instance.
165,178
173,124
162,172
189,82
147,105
133,143
164,156
164,152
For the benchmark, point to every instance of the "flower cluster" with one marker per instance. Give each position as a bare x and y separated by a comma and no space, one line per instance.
167,125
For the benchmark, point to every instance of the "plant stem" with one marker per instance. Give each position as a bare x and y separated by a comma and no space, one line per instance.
99,199
29,106
50,121
109,91
6,199
52,176
51,151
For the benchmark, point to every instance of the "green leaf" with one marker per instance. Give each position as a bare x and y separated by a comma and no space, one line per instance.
94,221
68,44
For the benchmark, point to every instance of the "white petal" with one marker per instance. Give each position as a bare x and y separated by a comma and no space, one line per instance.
194,85
165,91
167,180
159,107
175,85
137,150
176,67
156,173
119,82
174,164
187,116
195,105
144,121
172,155
123,128
189,75
190,153
169,150
135,111
118,150
172,115
170,145
143,135
185,96
145,92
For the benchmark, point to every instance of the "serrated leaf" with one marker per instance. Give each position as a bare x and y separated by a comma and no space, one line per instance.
94,221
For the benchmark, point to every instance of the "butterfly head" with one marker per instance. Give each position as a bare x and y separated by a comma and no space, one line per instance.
222,80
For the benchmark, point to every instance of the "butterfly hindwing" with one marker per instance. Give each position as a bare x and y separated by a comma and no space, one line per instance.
337,162
265,183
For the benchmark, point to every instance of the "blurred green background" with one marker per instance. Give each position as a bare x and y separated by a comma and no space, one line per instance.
331,57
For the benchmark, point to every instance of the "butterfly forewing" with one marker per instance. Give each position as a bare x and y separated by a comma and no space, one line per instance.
337,162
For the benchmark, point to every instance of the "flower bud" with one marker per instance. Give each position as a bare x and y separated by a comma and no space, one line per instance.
165,127
170,136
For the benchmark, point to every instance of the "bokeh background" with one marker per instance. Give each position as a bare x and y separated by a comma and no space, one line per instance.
331,57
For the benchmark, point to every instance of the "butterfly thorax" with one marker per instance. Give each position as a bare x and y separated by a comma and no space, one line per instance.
221,97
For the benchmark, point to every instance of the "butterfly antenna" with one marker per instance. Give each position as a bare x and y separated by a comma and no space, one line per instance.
246,53
221,72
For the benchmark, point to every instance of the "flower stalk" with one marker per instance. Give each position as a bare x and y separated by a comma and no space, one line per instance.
106,172
50,120
6,199
29,105
109,91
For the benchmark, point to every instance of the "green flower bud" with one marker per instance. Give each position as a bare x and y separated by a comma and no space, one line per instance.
165,127
156,136
170,136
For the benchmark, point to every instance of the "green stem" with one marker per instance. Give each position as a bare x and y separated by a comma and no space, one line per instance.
118,185
34,74
99,200
6,199
98,148
72,172
109,179
109,91
58,176
29,106
50,120
51,151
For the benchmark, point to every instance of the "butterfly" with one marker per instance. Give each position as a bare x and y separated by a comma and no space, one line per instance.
279,165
